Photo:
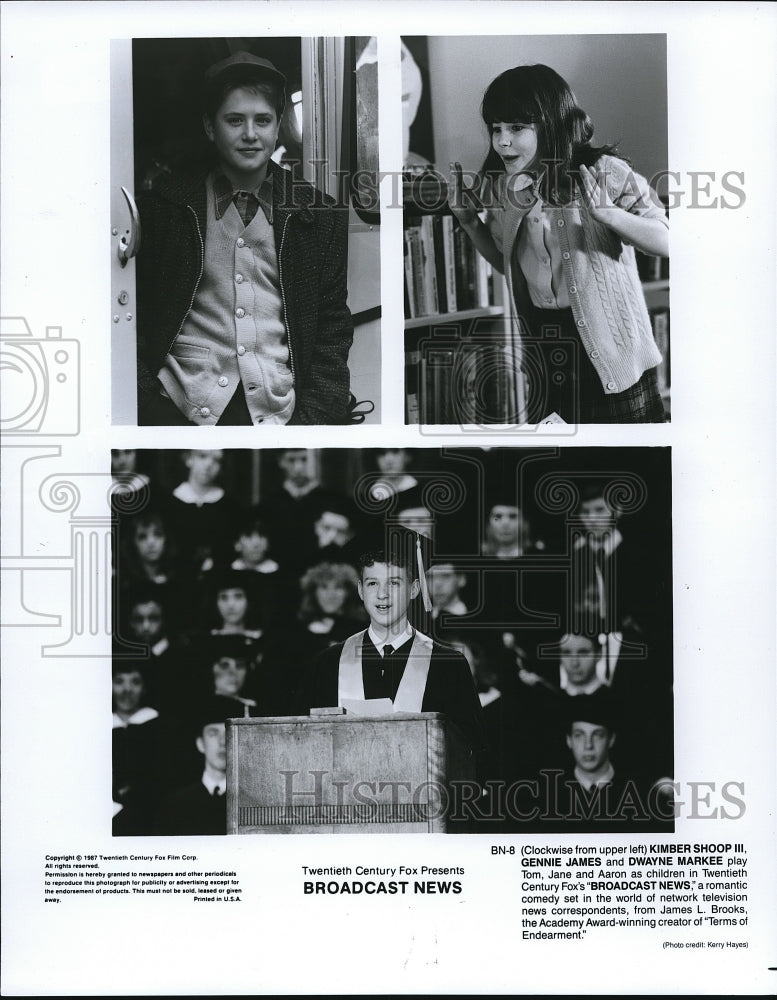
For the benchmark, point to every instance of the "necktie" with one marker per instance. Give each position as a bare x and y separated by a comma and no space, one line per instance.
388,649
247,205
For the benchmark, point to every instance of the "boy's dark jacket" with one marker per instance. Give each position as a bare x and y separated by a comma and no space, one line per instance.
311,239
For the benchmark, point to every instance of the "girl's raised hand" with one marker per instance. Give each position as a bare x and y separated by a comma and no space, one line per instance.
459,202
595,197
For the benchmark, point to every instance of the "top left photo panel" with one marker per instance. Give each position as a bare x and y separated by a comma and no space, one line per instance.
245,231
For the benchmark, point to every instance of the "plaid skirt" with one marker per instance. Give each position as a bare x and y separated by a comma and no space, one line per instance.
562,379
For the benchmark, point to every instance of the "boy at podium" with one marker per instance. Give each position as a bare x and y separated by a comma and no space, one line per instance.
391,666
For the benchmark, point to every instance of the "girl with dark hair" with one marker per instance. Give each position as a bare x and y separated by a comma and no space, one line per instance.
562,220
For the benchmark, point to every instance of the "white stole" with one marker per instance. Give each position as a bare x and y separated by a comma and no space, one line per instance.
410,694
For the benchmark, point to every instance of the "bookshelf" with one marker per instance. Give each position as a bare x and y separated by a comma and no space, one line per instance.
459,358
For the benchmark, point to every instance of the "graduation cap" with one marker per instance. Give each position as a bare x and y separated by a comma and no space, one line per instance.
235,646
597,709
218,708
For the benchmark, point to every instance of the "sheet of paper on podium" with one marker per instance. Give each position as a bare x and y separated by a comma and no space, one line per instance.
369,707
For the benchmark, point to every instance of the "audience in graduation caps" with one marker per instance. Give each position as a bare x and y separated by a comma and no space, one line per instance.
226,592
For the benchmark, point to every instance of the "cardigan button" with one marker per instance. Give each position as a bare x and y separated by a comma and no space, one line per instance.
594,354
238,278
240,313
205,412
566,255
223,381
611,386
560,223
241,242
573,289
241,350
581,322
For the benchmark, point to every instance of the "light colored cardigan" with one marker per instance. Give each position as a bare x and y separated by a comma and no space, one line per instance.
600,271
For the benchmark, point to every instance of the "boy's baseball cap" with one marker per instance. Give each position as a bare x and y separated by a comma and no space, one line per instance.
246,59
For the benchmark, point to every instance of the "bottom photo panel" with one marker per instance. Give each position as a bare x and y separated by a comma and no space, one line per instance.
432,640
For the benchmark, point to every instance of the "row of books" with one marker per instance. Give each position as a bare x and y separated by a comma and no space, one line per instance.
460,380
444,273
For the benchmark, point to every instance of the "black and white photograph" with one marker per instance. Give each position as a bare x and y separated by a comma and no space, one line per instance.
256,283
522,597
536,229
374,568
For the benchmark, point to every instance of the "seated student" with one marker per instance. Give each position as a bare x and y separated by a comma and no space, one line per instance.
622,583
445,586
392,661
252,545
507,533
202,512
330,609
595,794
200,806
291,510
147,556
272,585
335,529
256,674
147,624
129,486
231,609
242,276
234,605
577,671
136,744
394,479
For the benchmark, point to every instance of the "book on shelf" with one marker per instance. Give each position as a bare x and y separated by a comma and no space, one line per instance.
652,268
459,377
444,273
429,266
449,259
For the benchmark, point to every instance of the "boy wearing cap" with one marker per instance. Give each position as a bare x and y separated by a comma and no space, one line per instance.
242,315
201,807
391,660
595,796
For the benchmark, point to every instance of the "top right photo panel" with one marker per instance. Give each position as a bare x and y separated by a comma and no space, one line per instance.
536,230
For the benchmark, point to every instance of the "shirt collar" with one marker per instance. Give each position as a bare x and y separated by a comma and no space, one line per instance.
572,689
610,542
455,607
212,785
223,193
396,641
145,714
297,492
588,783
160,647
186,494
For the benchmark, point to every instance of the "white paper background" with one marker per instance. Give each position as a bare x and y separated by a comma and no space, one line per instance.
56,749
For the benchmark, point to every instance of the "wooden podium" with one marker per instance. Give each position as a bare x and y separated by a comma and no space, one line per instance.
340,773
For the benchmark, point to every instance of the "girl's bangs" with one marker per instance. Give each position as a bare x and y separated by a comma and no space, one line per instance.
510,107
